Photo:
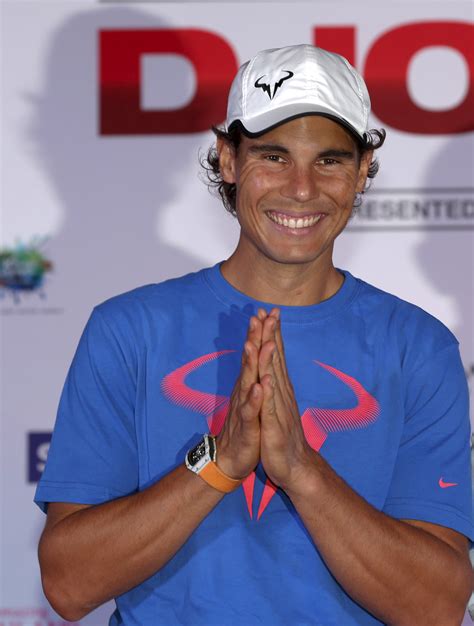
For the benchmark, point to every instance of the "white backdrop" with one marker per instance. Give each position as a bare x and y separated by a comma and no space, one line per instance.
88,212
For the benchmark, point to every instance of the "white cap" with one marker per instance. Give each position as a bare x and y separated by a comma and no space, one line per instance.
280,84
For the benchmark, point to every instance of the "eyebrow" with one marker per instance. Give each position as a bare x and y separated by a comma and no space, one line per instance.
268,147
274,147
341,154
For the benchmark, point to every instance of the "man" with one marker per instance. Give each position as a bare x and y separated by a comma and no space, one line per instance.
333,484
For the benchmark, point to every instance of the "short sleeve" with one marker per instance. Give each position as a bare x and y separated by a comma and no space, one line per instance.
432,476
93,452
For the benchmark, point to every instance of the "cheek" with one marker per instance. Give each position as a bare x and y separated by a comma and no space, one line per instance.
344,186
253,184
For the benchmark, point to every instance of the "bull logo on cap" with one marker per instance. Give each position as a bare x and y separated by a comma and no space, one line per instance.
267,87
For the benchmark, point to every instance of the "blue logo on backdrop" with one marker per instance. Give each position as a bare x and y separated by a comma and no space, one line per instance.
38,448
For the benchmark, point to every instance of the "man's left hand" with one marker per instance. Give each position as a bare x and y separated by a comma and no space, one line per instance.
285,454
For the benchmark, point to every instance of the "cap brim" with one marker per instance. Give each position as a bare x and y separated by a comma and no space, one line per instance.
262,124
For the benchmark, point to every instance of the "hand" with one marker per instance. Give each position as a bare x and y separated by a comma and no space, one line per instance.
238,443
284,451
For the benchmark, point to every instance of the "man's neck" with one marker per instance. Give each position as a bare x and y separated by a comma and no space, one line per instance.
284,284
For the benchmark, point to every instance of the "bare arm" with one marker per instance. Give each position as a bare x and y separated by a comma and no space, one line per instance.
91,554
406,573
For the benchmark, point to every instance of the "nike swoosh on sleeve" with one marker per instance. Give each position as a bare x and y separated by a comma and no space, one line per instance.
444,485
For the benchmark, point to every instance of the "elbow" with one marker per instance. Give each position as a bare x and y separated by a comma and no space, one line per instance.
443,605
454,609
61,592
64,603
465,588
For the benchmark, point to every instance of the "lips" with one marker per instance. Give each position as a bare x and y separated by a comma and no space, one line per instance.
294,222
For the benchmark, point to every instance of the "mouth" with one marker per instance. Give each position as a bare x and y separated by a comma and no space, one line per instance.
292,222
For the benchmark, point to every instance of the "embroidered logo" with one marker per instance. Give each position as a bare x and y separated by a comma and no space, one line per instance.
317,423
267,87
444,485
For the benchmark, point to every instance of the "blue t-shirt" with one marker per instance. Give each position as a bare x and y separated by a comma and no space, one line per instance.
382,395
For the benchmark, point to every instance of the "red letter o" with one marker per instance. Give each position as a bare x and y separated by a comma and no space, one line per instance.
386,70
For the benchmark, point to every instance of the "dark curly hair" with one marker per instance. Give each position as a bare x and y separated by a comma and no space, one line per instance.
373,139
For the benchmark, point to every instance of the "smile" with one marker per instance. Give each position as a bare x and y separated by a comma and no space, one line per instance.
294,222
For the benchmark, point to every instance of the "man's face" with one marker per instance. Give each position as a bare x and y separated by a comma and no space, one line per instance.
295,187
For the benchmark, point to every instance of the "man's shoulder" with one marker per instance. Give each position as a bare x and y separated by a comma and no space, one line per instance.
408,312
411,324
154,297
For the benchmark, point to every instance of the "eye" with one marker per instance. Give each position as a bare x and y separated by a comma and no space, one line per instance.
328,161
274,158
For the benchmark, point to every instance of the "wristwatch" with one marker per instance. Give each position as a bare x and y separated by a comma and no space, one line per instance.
202,461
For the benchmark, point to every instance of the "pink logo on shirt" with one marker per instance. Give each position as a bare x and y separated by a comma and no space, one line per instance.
317,423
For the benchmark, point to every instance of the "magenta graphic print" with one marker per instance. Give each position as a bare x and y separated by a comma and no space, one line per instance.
317,423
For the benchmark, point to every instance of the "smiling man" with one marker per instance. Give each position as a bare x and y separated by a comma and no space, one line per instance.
327,478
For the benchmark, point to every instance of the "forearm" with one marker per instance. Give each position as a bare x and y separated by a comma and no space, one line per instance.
98,553
401,574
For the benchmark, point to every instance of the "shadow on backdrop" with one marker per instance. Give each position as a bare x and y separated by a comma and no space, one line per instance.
109,189
446,258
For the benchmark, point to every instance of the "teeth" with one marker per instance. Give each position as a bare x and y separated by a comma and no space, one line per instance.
293,222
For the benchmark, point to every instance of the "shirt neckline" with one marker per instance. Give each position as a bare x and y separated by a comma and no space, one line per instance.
248,306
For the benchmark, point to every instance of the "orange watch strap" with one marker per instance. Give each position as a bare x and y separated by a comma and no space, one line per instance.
217,479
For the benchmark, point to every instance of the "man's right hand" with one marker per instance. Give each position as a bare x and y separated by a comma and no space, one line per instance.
82,544
238,443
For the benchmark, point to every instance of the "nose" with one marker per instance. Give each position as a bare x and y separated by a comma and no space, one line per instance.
301,184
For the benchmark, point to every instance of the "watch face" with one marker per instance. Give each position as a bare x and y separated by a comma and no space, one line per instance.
196,454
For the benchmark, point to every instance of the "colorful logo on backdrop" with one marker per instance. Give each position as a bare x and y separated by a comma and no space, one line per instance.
23,269
38,448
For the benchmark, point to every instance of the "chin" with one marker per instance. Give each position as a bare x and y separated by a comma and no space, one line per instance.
294,257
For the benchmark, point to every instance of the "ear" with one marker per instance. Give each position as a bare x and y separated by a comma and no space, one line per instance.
365,161
226,154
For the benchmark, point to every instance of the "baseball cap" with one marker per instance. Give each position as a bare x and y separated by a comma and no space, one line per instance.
280,84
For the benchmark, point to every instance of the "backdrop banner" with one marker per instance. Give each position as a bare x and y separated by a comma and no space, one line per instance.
106,110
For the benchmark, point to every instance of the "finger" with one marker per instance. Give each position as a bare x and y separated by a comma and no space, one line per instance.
279,356
249,370
269,365
268,332
276,336
262,314
250,409
275,312
271,332
268,410
254,333
265,360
